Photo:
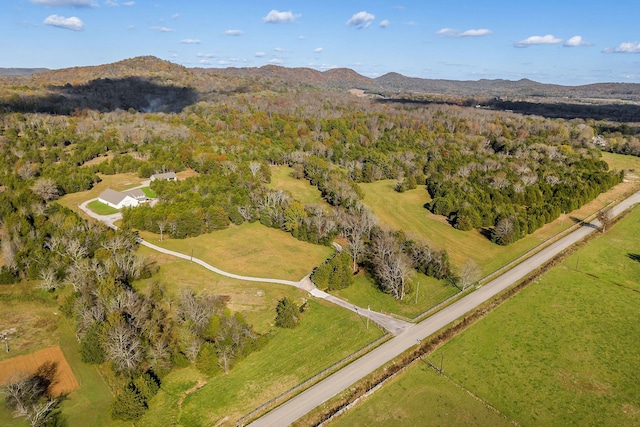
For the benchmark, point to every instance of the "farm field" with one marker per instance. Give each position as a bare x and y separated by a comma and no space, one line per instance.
251,250
406,211
326,335
39,325
561,352
420,397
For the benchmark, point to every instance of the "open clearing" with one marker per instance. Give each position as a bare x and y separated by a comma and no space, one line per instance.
300,189
64,382
420,397
326,335
250,250
406,211
563,351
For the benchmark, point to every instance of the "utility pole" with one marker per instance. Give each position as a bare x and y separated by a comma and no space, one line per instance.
368,314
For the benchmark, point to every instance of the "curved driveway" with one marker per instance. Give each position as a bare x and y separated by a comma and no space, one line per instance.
390,324
303,403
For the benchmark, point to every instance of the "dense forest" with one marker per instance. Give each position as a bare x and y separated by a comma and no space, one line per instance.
503,172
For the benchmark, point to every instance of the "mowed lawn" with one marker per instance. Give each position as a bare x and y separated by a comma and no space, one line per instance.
564,351
251,250
326,335
420,397
300,189
430,292
255,300
406,211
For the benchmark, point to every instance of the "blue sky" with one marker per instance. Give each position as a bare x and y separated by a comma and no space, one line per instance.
564,42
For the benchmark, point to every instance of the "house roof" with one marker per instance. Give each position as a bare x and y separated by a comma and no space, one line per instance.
136,193
112,196
166,175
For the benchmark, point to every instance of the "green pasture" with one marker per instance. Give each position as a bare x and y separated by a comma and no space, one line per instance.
564,351
300,189
621,162
40,325
365,293
326,335
250,250
406,211
420,397
101,209
561,352
255,300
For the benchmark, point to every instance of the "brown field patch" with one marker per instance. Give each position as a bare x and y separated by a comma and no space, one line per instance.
65,381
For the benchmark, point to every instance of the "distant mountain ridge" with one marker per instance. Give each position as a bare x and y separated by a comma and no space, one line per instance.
17,72
390,85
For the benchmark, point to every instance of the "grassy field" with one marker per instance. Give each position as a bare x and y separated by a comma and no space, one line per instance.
39,325
251,250
326,335
420,397
622,162
300,189
406,211
561,352
100,208
365,293
256,301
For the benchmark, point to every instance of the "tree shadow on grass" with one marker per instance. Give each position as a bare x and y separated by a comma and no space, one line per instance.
635,257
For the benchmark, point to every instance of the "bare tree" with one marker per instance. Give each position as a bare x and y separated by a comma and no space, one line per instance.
469,274
123,348
391,266
46,188
605,217
254,167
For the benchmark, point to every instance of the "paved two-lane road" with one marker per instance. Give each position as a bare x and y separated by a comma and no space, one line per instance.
300,405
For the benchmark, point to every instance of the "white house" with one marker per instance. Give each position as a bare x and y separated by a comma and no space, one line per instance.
120,199
167,176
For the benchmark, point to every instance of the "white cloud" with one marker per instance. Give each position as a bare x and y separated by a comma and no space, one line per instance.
73,23
277,17
450,32
111,3
627,47
260,54
317,50
223,62
275,61
128,3
446,32
205,62
233,32
476,33
361,20
71,3
279,49
384,23
576,41
162,29
205,55
175,16
190,41
535,40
